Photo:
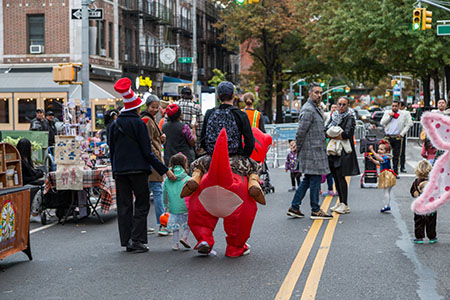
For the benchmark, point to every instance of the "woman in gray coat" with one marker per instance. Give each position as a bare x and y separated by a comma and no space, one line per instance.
345,164
312,156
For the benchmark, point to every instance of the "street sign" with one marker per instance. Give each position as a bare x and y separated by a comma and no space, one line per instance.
338,90
303,83
397,91
443,29
94,14
185,60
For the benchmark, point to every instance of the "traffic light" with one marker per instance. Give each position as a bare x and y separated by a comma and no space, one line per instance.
66,73
426,19
417,19
393,82
347,89
240,2
322,84
387,94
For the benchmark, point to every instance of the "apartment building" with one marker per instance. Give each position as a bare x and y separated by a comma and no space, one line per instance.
36,35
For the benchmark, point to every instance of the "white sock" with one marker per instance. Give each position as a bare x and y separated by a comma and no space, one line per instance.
387,196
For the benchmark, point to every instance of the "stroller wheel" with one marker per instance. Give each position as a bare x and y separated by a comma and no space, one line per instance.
43,218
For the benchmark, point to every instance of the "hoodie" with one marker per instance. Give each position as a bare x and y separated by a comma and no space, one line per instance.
172,190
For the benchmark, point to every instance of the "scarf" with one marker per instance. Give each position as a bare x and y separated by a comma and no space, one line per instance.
336,117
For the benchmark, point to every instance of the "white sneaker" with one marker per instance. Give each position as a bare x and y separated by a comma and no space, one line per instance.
36,219
342,209
338,204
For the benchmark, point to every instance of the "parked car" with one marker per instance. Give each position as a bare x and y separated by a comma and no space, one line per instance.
363,115
374,108
376,118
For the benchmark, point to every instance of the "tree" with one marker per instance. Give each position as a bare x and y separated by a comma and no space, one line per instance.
218,77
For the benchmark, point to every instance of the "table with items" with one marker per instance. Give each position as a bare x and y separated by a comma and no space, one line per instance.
100,179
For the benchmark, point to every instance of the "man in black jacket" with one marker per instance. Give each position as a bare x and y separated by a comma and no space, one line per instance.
39,123
132,161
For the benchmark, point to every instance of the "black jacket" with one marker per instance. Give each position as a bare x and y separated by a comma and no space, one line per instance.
243,125
131,151
39,125
30,174
52,131
348,162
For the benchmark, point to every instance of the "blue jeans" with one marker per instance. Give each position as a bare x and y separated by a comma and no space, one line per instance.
330,181
156,188
311,182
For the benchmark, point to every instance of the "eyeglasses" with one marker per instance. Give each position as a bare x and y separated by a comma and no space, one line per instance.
342,104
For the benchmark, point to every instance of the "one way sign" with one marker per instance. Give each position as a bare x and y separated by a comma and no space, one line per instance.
94,14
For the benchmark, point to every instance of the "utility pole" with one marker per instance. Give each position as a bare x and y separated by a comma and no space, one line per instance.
85,52
194,48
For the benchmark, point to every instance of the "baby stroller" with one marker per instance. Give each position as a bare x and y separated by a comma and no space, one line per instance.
369,179
264,179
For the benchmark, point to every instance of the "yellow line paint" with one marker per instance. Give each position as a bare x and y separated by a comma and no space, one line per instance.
312,282
296,269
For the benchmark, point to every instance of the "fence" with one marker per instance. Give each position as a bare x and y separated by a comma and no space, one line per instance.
282,133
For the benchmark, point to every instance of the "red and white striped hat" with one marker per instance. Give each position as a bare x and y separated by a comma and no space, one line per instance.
130,99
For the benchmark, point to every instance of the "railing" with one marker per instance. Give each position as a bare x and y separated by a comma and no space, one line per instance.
415,130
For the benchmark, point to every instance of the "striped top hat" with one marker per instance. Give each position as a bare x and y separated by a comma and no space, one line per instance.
130,99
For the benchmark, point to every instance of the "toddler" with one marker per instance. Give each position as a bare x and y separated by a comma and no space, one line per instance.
387,178
290,165
177,206
426,222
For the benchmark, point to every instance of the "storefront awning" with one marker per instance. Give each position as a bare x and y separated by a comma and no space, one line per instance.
30,82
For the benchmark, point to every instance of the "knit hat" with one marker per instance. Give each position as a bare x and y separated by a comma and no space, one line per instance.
130,99
173,111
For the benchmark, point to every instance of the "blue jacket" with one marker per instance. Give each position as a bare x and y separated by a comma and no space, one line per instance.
132,152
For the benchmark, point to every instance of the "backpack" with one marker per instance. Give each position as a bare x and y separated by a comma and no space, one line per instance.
219,119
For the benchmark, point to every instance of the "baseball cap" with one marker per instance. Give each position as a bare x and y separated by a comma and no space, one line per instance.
39,110
225,88
50,113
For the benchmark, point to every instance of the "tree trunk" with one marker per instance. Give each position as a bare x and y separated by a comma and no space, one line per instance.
437,95
268,92
279,95
447,79
426,90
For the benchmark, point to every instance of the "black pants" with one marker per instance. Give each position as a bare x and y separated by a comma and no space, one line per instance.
340,183
132,219
403,154
396,145
295,177
422,223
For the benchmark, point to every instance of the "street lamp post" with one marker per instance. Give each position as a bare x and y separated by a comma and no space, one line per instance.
85,52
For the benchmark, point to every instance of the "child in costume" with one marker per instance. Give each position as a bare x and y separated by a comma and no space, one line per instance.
177,206
291,162
428,151
387,178
426,222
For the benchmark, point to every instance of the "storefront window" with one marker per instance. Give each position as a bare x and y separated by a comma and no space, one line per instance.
27,109
4,110
100,115
56,106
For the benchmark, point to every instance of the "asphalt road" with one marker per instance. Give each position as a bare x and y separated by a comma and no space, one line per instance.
362,255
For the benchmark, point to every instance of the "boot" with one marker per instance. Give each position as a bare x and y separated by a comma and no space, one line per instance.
192,184
254,189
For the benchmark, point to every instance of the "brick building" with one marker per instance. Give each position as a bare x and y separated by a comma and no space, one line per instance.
35,35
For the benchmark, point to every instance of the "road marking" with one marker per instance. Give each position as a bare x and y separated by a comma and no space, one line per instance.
312,282
42,227
291,278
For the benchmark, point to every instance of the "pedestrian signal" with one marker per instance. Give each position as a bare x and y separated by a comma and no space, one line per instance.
417,19
426,19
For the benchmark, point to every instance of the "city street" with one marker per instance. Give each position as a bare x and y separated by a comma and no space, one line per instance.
362,255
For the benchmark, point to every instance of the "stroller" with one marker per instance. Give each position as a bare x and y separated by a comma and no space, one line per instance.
369,179
264,179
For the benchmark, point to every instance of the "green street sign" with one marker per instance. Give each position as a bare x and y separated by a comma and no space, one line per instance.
443,29
303,83
338,90
185,60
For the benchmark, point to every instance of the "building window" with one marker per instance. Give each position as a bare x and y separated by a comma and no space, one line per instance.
27,109
4,111
128,44
110,41
56,106
101,39
120,43
36,34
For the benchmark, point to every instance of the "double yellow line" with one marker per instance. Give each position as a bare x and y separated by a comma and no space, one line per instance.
312,282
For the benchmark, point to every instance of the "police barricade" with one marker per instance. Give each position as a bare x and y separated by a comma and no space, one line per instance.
414,131
281,134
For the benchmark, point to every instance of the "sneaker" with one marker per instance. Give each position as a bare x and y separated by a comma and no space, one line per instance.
163,231
342,209
185,243
292,189
418,241
336,206
296,213
320,215
176,247
151,230
386,209
203,248
36,219
246,252
432,241
326,193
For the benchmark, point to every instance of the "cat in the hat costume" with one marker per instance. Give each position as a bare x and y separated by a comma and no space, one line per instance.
132,161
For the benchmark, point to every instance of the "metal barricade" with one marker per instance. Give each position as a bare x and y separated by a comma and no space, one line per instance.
281,134
415,130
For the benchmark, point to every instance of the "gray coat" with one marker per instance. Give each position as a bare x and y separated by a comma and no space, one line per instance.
312,156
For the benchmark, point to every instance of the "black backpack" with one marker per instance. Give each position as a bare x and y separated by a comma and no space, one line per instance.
222,118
